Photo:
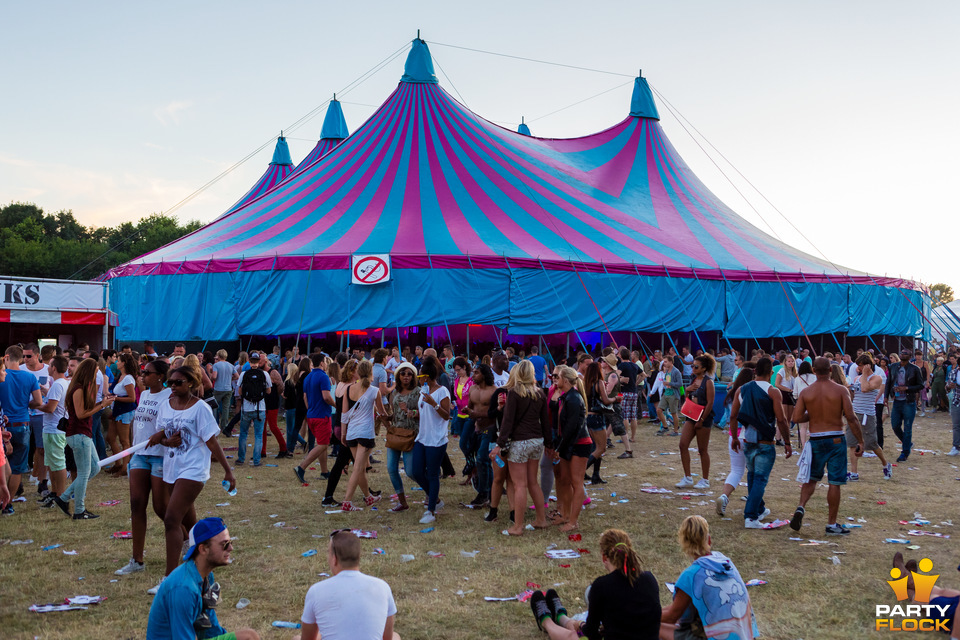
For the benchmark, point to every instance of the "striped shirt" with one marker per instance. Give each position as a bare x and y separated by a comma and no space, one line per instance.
864,401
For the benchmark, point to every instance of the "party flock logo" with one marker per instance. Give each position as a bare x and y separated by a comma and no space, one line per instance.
919,614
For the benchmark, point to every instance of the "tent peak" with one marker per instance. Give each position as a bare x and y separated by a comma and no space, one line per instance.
642,104
418,68
281,153
523,129
334,125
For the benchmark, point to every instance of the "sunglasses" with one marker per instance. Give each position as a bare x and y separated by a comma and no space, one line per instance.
227,544
333,533
28,356
176,382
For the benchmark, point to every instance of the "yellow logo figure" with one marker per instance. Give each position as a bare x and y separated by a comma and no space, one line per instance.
922,584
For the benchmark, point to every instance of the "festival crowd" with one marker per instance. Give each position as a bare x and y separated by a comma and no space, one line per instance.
526,424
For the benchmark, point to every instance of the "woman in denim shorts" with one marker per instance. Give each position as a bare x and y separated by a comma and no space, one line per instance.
525,427
146,466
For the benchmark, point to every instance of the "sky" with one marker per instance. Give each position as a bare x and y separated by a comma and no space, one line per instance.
843,115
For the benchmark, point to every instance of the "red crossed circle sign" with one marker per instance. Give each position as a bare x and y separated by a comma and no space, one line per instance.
371,270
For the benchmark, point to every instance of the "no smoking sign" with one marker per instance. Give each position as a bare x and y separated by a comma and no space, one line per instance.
371,269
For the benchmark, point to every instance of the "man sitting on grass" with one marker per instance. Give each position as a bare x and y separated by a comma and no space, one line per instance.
185,606
350,605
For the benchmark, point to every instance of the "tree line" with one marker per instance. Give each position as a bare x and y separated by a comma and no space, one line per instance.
36,244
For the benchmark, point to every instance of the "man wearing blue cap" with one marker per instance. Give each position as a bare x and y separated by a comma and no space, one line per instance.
185,606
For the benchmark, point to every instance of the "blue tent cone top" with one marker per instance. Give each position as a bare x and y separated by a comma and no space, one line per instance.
419,66
334,124
281,153
642,104
523,129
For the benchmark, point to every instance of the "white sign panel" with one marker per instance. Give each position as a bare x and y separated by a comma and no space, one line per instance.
28,293
371,269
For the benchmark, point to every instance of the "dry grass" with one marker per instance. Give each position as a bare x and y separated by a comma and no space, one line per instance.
807,595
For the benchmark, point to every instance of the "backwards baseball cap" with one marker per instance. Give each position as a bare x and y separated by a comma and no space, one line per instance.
203,531
254,356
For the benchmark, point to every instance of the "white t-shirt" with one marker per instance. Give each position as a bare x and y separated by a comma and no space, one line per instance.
101,383
145,420
500,379
43,379
254,406
120,389
433,428
196,425
349,606
688,364
58,392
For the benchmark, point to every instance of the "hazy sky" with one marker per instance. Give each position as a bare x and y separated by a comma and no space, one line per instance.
843,114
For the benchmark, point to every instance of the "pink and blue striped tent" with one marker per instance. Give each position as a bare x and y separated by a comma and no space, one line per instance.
279,168
483,225
332,133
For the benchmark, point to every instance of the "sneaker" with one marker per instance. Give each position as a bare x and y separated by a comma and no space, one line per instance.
853,477
398,508
625,455
375,492
556,606
752,524
686,482
330,502
373,460
797,519
86,515
440,505
902,458
491,515
674,433
428,518
153,590
660,432
372,500
48,501
238,463
765,513
479,500
131,567
540,608
44,496
954,452
836,530
346,505
323,474
722,503
7,510
888,471
702,484
300,476
60,502
256,464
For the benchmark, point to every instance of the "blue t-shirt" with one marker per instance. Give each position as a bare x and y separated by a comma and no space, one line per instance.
538,365
178,603
313,387
224,371
15,394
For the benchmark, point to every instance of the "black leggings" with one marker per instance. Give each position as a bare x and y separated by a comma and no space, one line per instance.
344,457
880,425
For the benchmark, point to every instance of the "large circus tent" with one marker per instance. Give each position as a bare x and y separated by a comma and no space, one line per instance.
481,225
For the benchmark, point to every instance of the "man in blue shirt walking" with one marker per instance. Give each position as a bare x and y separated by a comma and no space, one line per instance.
19,392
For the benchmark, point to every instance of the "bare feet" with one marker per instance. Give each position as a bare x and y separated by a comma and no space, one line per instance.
570,526
513,531
541,525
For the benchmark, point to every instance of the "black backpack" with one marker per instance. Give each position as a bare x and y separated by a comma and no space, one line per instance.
254,387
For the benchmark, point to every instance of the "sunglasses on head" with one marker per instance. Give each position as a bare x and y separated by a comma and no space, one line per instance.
333,533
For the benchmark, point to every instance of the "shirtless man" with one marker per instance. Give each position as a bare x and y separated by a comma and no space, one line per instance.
824,404
478,408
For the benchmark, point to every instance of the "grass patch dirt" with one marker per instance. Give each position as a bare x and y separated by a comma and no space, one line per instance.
807,595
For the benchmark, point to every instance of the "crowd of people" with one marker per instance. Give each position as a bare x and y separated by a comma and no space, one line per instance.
526,425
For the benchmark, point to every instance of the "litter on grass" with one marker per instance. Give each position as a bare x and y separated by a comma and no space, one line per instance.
52,546
468,554
109,503
122,535
562,554
755,583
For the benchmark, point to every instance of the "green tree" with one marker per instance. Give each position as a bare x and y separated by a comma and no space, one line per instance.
940,293
39,245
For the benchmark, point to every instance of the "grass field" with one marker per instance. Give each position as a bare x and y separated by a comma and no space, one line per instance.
807,595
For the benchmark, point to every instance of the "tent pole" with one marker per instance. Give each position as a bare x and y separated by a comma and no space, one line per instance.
844,343
468,342
568,348
308,343
341,341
